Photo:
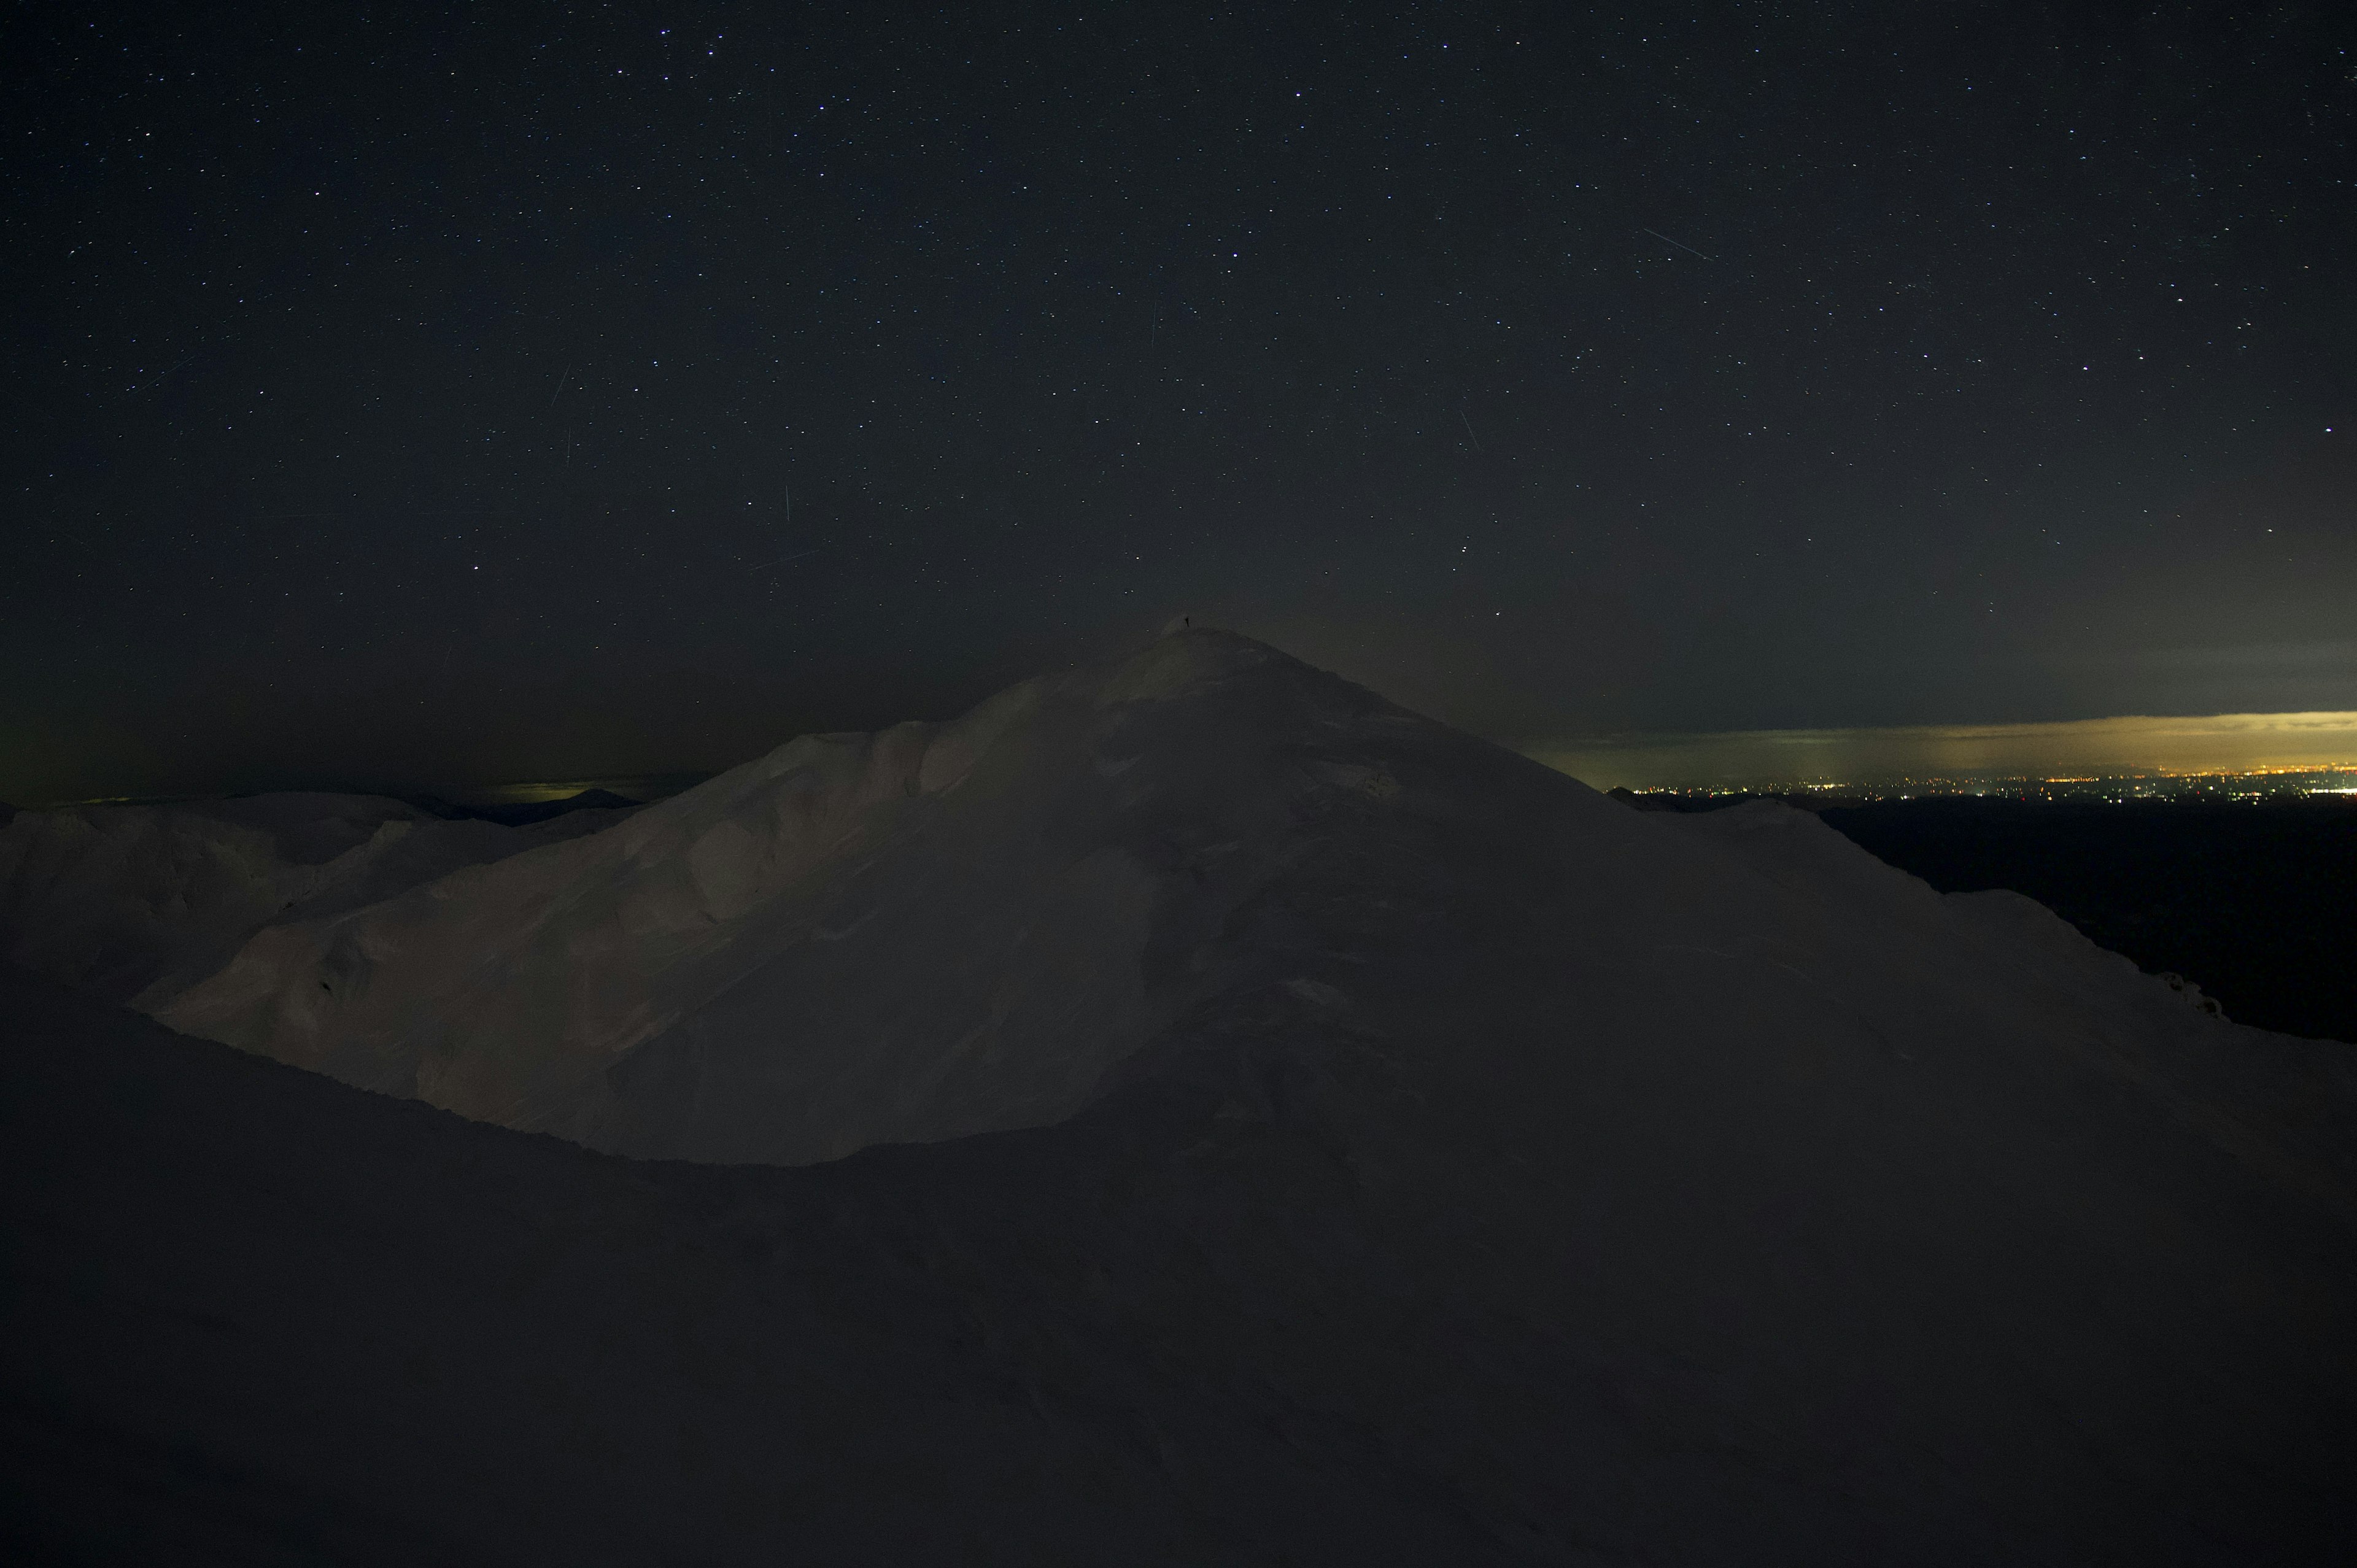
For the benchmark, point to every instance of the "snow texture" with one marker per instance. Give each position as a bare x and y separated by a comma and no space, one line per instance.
1393,1151
136,903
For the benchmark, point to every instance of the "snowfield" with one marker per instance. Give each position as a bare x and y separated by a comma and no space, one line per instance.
1188,1109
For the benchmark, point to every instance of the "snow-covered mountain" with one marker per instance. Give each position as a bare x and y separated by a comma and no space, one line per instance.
134,903
1395,1152
941,930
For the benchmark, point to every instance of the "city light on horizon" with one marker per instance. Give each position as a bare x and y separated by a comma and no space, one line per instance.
2081,750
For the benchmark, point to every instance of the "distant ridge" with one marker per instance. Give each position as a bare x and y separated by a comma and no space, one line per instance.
524,814
139,901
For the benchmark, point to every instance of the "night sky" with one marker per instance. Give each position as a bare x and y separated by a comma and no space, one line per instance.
397,395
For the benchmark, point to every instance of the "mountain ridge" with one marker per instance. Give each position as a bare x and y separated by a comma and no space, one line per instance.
1484,1172
940,929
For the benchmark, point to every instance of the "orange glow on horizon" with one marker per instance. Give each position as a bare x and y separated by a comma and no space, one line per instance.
2080,750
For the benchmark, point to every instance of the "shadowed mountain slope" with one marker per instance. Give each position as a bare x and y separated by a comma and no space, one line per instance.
1358,1283
1412,1156
2251,898
933,931
939,930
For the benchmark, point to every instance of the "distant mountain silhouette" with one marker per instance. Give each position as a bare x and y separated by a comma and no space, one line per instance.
526,813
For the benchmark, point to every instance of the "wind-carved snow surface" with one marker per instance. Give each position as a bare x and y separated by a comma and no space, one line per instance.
1403,1154
942,929
926,932
137,903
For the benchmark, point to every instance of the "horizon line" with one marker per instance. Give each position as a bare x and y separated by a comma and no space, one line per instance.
2123,746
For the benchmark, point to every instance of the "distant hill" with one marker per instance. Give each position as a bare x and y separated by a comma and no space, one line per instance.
140,902
519,814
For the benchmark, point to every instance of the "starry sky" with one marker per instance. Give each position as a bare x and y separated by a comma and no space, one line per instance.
405,393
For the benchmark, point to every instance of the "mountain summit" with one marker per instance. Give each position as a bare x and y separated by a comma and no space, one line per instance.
1279,1128
939,930
929,931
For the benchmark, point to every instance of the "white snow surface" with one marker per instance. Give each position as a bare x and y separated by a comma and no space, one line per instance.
939,929
1396,1152
133,903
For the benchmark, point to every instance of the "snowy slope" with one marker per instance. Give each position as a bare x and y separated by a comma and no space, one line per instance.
127,902
937,930
1409,1275
1407,1155
926,932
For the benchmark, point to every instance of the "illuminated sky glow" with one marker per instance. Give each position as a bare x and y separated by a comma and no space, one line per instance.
505,393
2220,743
